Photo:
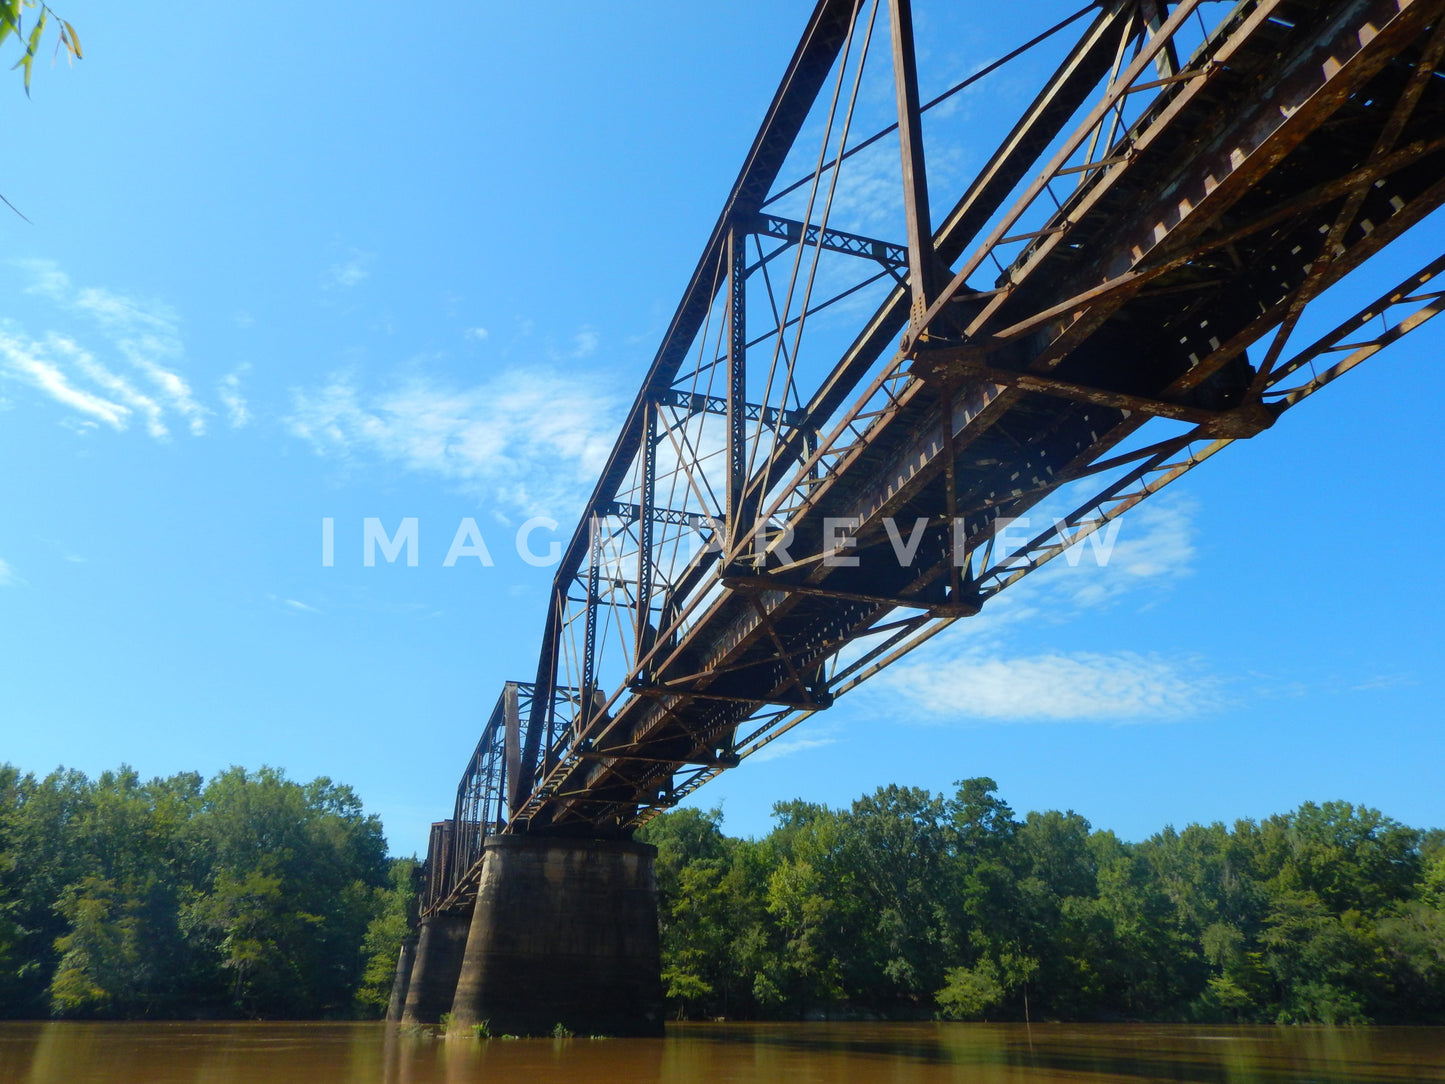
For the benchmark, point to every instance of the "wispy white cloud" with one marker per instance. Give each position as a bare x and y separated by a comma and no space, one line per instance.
301,607
557,347
787,746
866,194
1153,548
46,279
25,360
1119,687
237,411
532,440
981,671
124,314
585,342
145,336
349,272
115,385
7,574
476,334
1383,681
149,338
1137,565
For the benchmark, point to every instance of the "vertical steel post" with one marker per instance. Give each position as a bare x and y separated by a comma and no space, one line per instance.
589,642
1155,12
644,529
924,273
512,722
524,707
925,270
539,716
737,383
494,809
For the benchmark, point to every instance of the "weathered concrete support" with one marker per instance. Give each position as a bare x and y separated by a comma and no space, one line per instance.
438,961
399,984
564,932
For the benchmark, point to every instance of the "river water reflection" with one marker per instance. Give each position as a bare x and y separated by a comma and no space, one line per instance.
286,1053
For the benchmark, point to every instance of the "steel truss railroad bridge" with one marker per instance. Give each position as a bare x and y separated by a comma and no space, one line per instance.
808,484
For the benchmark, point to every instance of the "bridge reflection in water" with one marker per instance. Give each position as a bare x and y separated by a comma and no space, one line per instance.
812,480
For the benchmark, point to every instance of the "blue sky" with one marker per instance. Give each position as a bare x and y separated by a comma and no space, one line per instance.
363,262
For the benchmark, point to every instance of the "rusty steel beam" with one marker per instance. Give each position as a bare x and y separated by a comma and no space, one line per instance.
815,55
1212,195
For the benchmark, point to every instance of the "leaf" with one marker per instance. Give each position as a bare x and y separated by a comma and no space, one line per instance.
29,59
25,62
74,45
39,30
9,18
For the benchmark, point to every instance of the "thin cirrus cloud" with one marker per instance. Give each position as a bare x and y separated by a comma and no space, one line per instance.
28,361
1137,559
983,673
585,343
1152,549
238,413
1118,687
532,441
348,272
788,746
138,380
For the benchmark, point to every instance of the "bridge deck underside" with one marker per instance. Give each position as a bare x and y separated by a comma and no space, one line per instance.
1289,151
1163,343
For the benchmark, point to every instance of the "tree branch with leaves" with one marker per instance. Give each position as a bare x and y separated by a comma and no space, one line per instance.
12,21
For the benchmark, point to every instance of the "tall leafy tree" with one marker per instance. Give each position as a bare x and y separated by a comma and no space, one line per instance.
909,902
252,894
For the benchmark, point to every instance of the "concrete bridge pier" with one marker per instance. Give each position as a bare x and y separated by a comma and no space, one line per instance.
434,969
397,1004
564,932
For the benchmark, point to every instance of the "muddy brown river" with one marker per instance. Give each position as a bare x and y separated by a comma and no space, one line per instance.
364,1053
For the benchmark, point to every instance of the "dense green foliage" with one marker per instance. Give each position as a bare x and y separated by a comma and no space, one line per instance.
255,895
910,903
247,895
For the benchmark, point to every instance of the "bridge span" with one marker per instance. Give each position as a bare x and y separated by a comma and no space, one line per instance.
863,381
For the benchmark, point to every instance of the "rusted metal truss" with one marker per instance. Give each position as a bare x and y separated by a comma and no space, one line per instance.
809,482
488,789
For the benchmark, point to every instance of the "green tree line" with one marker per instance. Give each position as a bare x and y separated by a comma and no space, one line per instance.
915,904
254,895
248,895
